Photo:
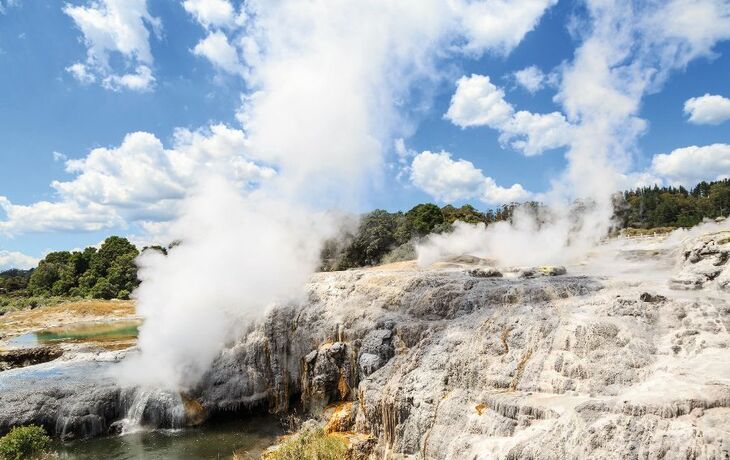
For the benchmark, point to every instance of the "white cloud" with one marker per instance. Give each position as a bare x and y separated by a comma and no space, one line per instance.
141,80
219,52
401,150
81,73
499,25
138,181
451,180
689,165
56,216
58,156
534,133
115,26
478,102
531,78
211,13
707,109
14,259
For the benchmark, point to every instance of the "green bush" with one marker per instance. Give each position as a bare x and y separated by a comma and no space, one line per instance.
405,251
24,442
311,444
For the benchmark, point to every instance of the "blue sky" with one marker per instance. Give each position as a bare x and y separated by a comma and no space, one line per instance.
49,115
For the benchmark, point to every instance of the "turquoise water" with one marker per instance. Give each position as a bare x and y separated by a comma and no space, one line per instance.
110,332
247,438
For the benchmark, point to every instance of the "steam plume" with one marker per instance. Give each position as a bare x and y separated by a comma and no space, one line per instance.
327,81
629,51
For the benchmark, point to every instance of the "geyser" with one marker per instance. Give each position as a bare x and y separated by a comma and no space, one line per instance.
327,81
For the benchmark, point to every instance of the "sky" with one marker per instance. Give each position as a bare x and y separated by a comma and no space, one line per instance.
111,110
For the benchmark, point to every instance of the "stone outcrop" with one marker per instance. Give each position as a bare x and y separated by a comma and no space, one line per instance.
21,357
703,261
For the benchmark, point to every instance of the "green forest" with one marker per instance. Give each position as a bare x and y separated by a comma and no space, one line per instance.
379,237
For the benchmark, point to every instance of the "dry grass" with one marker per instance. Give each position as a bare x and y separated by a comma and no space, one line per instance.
310,444
633,232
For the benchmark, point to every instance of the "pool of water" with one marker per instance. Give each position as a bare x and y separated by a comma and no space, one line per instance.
247,438
102,333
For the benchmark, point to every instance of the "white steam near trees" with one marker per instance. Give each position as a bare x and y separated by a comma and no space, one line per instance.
326,80
629,51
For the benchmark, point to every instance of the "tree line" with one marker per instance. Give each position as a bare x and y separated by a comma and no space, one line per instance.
109,272
379,237
652,207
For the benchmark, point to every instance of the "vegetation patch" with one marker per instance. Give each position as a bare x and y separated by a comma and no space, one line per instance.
310,444
24,442
634,232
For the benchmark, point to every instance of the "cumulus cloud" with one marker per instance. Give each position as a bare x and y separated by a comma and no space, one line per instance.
211,13
137,181
219,52
531,78
689,165
115,27
451,180
57,216
478,102
14,259
707,109
499,25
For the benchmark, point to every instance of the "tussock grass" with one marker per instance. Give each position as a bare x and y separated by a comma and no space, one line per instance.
633,232
310,444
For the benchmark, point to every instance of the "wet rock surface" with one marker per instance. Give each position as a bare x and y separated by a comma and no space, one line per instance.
22,357
70,400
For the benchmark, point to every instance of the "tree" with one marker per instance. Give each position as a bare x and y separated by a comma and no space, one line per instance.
424,217
374,238
123,273
103,289
48,272
111,249
14,281
466,213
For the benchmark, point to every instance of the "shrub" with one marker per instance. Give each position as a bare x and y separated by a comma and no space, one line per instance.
311,444
405,251
24,442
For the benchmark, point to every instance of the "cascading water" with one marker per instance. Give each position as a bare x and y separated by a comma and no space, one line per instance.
153,408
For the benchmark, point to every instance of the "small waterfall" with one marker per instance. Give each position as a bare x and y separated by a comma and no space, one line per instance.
133,420
150,409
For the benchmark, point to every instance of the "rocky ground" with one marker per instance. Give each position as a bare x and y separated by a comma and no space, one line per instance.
622,356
